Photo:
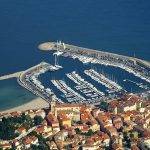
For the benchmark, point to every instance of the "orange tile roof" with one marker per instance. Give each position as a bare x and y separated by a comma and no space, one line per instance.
51,118
113,103
21,129
85,128
111,129
116,146
85,117
16,113
63,117
40,129
103,118
90,141
103,135
127,100
5,145
29,139
69,105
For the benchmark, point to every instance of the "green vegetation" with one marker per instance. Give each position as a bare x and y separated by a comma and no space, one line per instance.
38,120
129,136
39,147
10,124
134,135
104,105
7,130
89,133
78,131
42,142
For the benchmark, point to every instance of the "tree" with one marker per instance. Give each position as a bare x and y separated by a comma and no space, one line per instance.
41,138
88,123
134,135
104,105
78,131
79,122
89,133
38,120
128,143
7,130
27,121
43,146
33,133
34,147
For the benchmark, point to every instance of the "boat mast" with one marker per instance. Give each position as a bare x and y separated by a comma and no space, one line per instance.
56,61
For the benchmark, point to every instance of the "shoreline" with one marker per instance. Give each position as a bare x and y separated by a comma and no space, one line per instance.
36,103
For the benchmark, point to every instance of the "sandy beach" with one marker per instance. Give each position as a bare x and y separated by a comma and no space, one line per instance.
34,104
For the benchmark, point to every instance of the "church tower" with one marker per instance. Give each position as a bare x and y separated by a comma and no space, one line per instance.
53,105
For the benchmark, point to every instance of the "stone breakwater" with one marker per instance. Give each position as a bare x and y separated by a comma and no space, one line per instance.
138,67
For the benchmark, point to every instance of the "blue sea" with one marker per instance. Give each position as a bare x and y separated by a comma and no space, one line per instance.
120,26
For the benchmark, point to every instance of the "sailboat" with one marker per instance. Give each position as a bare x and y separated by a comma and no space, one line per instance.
56,58
56,62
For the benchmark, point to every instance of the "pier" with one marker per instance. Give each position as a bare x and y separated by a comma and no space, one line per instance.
100,78
83,91
29,80
49,46
145,63
138,67
9,76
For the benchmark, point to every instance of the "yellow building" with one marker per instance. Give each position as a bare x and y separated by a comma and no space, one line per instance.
64,120
94,126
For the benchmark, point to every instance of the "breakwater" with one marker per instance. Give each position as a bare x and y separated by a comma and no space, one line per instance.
13,75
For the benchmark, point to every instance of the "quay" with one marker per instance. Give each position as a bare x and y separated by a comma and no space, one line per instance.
145,63
29,80
13,75
48,46
138,67
83,91
100,78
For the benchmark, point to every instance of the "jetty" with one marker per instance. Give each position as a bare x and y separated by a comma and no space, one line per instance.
13,75
29,80
136,66
50,46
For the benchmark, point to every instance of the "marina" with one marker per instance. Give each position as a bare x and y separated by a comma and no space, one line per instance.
29,80
89,77
100,78
132,65
69,94
74,88
85,87
141,85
